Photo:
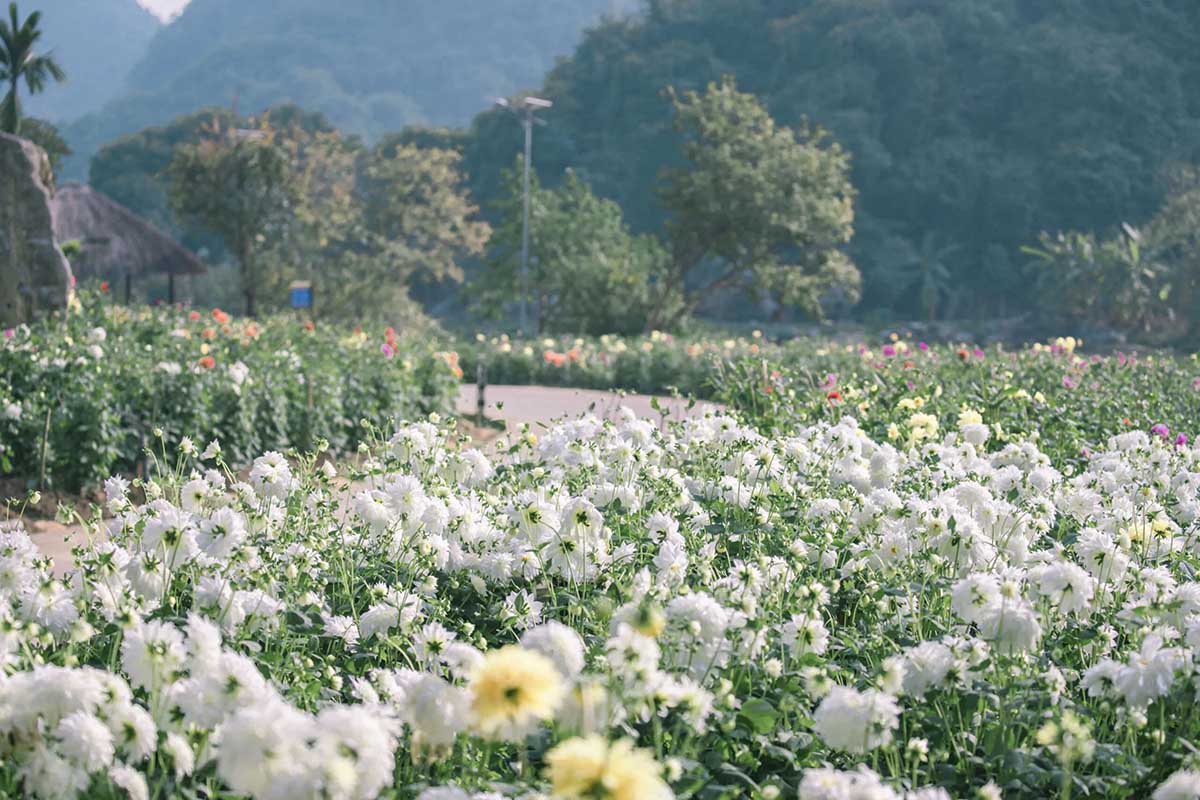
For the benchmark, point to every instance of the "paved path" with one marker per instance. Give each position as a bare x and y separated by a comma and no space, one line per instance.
521,404
544,404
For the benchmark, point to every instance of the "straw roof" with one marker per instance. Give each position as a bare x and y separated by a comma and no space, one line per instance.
114,240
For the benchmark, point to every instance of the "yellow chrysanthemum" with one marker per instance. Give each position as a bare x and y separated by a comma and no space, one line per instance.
512,690
588,766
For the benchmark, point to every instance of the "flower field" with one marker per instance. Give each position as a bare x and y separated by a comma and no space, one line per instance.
614,610
84,398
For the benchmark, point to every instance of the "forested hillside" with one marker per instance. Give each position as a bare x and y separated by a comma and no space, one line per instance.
97,42
370,65
973,124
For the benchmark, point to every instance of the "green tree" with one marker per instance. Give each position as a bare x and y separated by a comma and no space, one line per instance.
588,273
366,221
236,184
18,62
773,208
46,136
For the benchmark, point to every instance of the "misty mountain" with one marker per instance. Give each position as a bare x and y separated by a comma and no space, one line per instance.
97,42
370,65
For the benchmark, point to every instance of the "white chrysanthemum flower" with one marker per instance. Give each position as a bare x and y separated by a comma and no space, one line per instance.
560,644
854,721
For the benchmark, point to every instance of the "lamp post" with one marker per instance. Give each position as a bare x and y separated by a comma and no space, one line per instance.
527,107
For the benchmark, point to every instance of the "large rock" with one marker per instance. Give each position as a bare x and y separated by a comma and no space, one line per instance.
34,274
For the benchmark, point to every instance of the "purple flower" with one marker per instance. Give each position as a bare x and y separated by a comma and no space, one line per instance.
1181,440
889,351
1067,382
387,350
1161,430
978,353
924,348
9,333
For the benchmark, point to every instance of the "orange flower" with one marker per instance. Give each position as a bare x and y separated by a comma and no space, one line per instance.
208,362
834,397
194,316
208,333
251,331
220,316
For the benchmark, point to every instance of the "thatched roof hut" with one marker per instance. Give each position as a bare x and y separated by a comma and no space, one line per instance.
115,241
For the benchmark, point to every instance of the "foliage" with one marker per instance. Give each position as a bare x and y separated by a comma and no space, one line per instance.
698,609
92,390
587,273
235,183
19,62
772,207
1142,281
46,136
1110,282
980,121
364,222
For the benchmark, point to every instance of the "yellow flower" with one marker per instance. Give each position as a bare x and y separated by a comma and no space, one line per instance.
649,621
969,416
922,426
588,766
512,690
893,432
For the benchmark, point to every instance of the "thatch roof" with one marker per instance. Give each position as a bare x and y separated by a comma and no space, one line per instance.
115,241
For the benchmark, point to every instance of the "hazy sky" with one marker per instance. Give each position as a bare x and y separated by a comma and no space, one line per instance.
165,9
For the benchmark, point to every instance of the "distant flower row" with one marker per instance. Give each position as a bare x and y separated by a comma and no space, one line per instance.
84,397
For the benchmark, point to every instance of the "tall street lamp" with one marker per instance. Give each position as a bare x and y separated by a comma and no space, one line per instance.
527,107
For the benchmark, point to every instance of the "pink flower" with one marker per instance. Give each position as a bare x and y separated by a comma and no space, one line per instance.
1181,440
1161,430
9,333
387,350
978,353
889,351
829,382
1067,382
924,348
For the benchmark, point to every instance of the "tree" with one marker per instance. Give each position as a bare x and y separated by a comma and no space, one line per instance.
46,136
588,273
236,184
365,222
772,208
18,62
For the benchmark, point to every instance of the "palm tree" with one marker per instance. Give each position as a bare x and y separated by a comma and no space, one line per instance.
17,61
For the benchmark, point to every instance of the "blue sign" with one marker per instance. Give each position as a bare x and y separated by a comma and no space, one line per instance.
301,294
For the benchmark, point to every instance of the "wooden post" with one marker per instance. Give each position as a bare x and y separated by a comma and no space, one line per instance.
480,389
128,287
171,288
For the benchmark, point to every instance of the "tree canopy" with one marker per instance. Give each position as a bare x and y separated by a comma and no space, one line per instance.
977,122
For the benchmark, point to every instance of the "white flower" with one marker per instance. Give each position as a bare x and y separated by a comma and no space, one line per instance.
1182,785
132,781
86,741
854,721
560,644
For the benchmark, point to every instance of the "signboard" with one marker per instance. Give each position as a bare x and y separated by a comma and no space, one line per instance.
301,294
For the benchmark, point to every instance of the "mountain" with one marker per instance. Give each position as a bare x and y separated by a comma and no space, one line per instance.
370,65
96,65
972,124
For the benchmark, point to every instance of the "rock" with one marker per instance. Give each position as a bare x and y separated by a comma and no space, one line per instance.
34,274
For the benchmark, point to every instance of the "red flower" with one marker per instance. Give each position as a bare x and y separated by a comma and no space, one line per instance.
834,397
308,325
194,316
208,362
104,286
220,316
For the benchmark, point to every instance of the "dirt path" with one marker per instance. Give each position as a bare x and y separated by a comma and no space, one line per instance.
515,405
